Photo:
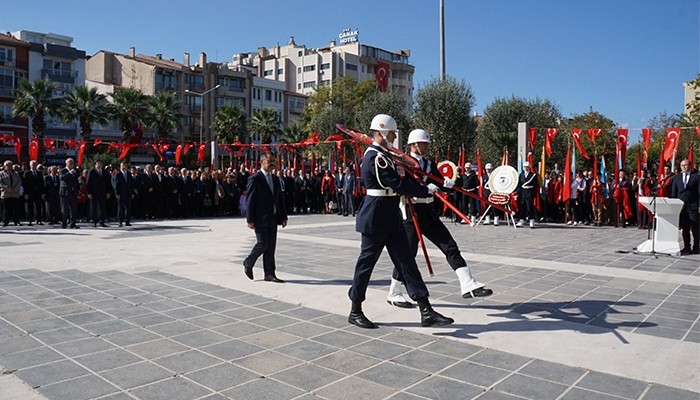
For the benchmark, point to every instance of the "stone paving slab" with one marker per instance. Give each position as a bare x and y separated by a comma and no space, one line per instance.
104,333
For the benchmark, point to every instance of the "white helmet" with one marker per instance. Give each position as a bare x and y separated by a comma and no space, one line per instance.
383,123
417,136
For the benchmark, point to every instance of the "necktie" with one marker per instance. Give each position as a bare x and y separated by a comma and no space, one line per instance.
685,181
99,172
269,182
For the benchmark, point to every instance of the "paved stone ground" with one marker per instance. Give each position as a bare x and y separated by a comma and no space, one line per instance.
156,312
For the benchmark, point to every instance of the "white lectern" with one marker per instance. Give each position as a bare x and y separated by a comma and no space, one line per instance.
665,237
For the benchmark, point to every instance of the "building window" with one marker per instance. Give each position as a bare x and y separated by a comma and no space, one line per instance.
5,112
268,95
193,100
280,71
232,83
309,68
363,69
326,82
351,67
325,65
267,72
299,70
300,53
9,80
298,86
193,80
168,82
234,101
6,54
309,84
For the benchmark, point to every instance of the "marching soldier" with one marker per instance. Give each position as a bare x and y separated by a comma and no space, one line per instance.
379,222
527,185
433,229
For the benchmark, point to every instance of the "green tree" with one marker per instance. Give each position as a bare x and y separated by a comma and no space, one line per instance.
163,114
36,101
443,108
604,142
265,123
390,103
88,106
293,133
692,111
128,106
230,124
658,126
499,128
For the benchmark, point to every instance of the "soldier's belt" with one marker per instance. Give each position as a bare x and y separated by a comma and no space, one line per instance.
421,200
381,192
528,187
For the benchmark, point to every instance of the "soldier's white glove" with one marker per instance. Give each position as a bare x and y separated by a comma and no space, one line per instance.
432,188
449,183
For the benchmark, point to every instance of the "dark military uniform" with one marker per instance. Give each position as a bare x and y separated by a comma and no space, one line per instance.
380,223
527,190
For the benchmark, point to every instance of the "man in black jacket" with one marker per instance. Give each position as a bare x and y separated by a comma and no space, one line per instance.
33,184
51,184
124,190
99,188
266,210
686,186
68,192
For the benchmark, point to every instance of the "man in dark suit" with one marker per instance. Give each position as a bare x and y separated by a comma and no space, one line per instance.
33,184
124,190
266,210
147,191
159,192
348,192
68,192
686,186
51,184
99,188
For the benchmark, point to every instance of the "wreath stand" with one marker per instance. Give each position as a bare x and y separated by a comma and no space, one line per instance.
502,199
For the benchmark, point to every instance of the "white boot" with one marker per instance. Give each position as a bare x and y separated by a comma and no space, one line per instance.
495,221
532,224
469,286
488,219
520,223
395,297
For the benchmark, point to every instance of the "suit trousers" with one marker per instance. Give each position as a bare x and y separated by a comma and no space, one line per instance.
397,246
10,209
98,207
124,209
348,203
69,209
436,232
687,226
34,209
53,208
265,245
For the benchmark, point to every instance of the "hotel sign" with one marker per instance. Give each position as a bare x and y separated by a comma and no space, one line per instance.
348,35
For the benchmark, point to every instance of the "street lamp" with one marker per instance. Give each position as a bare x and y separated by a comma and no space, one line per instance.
201,112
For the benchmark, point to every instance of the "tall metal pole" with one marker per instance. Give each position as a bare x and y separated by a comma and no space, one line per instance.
442,40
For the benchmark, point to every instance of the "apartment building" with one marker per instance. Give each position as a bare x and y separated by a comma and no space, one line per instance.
14,66
192,84
303,69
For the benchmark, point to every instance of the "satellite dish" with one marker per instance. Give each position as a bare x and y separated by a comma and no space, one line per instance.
503,179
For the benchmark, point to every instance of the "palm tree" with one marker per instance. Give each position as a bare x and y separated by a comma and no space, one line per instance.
88,106
265,123
35,101
230,123
163,113
129,107
293,133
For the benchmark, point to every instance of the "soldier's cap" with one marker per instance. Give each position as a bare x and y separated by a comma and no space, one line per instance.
526,164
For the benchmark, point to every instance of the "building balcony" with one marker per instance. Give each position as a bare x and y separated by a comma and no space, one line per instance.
234,89
197,87
167,89
53,72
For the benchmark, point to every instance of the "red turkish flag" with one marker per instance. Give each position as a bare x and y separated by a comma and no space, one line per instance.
158,151
50,144
202,152
551,134
690,156
34,149
567,175
178,154
533,137
97,142
381,74
18,148
622,135
671,145
592,133
81,152
697,129
576,134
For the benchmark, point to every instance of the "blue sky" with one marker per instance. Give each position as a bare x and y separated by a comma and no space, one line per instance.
624,58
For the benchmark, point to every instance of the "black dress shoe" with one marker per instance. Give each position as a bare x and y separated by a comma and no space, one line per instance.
94,225
30,224
128,224
430,317
40,223
273,278
248,271
74,226
5,223
102,224
64,226
357,317
685,252
120,224
480,292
